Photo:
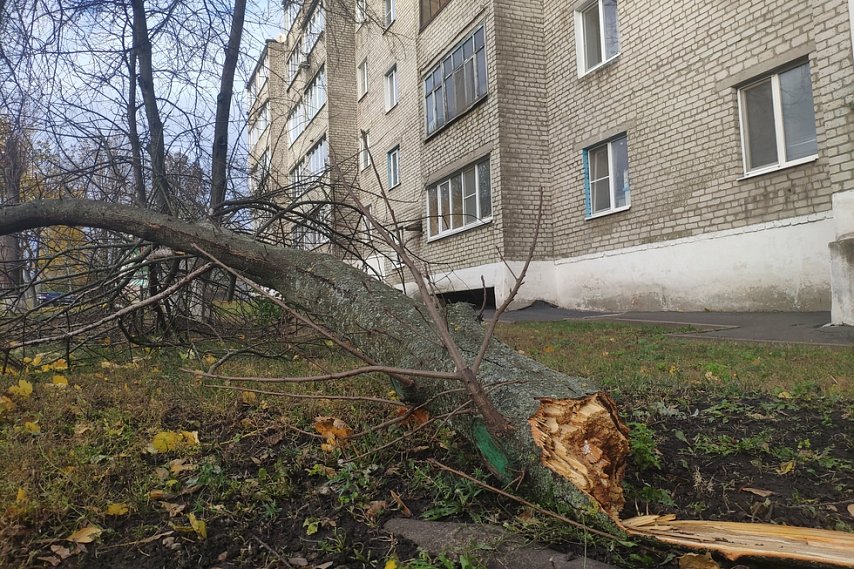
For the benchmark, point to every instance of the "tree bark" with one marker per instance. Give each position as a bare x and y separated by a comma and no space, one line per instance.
567,444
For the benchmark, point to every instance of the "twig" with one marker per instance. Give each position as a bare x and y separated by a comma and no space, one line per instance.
118,314
331,376
271,550
524,502
490,331
310,397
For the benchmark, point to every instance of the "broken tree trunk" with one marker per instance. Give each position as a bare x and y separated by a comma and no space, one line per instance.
574,429
566,440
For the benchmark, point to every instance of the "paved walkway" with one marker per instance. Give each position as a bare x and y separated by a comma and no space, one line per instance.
775,327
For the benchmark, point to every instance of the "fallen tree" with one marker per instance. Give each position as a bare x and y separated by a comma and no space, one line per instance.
557,435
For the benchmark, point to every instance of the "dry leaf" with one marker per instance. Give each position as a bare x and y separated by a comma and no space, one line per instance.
209,359
60,365
23,389
851,510
180,465
249,397
32,427
374,509
166,441
334,430
694,561
36,361
199,526
62,552
173,509
786,467
758,491
116,509
6,404
85,535
53,561
60,380
407,513
21,497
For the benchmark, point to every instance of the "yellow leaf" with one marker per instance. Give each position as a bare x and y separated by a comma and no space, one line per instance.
46,368
166,441
209,359
390,564
116,509
784,395
37,361
28,360
23,390
21,497
107,365
6,404
248,397
199,526
60,380
32,427
85,535
786,467
60,365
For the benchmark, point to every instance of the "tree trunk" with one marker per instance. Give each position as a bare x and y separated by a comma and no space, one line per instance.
566,445
566,440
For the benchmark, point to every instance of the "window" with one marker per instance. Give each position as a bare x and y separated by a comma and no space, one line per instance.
312,229
315,27
309,169
307,108
259,124
292,8
778,121
393,167
294,61
362,79
364,153
391,89
456,83
462,200
429,9
361,11
390,14
606,177
398,236
596,36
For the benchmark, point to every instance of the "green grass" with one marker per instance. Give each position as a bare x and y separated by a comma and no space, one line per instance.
626,358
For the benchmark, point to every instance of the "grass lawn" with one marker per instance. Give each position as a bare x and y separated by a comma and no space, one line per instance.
135,463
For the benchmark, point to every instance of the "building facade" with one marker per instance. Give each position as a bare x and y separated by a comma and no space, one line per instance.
667,156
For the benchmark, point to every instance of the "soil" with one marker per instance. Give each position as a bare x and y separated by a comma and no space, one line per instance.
770,459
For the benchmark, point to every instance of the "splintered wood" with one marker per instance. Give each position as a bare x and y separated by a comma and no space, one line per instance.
735,540
584,441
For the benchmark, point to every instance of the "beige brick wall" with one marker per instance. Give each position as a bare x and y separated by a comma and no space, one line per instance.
671,89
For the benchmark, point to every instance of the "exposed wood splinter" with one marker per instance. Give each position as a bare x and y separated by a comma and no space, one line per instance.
584,441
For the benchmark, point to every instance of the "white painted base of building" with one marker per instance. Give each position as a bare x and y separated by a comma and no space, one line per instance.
782,265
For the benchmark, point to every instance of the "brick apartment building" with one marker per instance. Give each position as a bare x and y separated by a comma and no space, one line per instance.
690,155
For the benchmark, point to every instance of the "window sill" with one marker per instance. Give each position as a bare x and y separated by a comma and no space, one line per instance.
362,96
594,69
394,186
391,108
470,108
388,26
459,230
609,212
778,167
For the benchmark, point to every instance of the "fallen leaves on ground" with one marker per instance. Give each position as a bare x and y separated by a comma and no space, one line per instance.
32,427
762,493
695,561
23,389
334,430
167,441
59,380
87,534
116,509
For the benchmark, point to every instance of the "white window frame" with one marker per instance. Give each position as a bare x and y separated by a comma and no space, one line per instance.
362,79
588,182
390,12
364,154
295,60
393,167
361,11
580,52
391,90
468,222
398,235
776,99
291,12
316,25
